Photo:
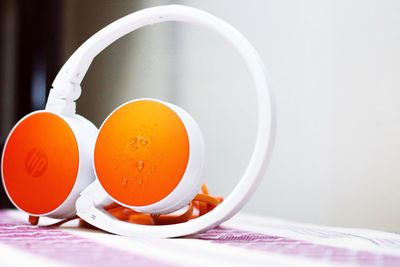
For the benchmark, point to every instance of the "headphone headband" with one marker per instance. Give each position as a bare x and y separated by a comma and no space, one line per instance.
66,89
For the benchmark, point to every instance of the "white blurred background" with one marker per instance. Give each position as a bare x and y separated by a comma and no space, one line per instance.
334,68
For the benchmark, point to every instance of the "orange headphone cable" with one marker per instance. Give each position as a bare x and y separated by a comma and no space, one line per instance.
203,202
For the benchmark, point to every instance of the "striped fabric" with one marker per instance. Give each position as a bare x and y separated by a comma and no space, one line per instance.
244,241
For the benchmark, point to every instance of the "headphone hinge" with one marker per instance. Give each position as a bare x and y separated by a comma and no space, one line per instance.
59,105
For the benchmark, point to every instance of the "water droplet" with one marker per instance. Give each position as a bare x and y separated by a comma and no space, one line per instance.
143,141
133,141
140,180
140,165
134,148
153,169
125,181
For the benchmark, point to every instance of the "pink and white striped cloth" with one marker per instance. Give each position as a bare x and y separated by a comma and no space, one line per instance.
244,241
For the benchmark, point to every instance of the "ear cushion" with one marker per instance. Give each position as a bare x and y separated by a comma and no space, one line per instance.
149,157
42,162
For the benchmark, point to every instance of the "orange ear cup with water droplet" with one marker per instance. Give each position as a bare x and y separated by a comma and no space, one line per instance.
143,154
42,163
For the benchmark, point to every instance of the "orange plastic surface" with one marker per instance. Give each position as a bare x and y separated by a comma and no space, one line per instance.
141,152
40,163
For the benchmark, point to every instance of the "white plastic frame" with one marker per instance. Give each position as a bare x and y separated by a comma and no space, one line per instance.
66,89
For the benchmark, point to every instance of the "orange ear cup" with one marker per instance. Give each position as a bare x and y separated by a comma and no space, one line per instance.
40,163
141,153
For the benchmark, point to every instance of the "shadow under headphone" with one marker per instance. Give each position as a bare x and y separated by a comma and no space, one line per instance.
147,157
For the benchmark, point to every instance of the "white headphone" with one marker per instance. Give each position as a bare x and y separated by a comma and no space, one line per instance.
55,160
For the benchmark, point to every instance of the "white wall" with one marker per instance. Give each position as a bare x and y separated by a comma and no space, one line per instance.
334,67
335,72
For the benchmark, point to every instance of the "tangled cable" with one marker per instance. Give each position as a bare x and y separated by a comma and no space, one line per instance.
200,205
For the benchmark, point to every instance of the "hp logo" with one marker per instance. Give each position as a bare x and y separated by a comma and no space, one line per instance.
36,162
